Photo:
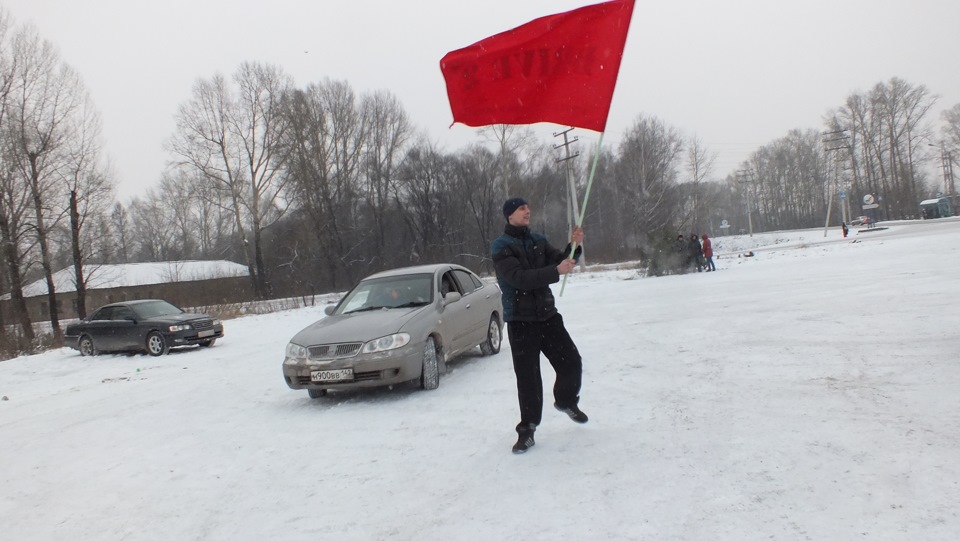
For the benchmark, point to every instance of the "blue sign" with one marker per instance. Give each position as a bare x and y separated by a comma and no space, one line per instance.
843,195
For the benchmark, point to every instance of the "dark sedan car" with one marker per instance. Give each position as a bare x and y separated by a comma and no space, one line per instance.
153,326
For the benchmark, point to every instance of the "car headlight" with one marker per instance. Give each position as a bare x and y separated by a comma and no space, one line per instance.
175,328
387,343
216,322
296,351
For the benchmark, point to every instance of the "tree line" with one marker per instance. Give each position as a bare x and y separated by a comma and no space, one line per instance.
313,187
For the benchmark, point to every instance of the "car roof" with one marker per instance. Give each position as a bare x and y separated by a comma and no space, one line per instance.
131,303
419,269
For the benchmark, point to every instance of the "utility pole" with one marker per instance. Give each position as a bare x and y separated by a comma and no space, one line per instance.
833,141
744,177
573,206
946,159
946,164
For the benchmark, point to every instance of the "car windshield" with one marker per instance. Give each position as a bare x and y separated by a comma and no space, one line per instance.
406,291
153,309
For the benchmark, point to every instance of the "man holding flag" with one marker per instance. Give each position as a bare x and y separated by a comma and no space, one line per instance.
559,68
526,266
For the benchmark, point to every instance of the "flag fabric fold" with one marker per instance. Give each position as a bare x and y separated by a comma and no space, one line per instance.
559,68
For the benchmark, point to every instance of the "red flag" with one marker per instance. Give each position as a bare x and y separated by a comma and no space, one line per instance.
560,68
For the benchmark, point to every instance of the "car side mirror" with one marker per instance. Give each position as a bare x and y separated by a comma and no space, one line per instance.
329,309
451,297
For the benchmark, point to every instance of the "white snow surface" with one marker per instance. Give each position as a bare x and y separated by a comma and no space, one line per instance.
811,391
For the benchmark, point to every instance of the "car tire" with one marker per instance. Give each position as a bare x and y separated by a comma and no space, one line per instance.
156,345
430,373
491,346
208,343
317,393
86,346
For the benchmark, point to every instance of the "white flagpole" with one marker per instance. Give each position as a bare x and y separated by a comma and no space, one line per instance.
583,208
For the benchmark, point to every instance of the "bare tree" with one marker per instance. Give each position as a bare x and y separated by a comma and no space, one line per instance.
699,167
211,220
180,194
787,182
649,153
951,129
476,184
197,222
903,108
428,198
90,195
326,146
14,198
233,139
511,141
14,206
120,227
154,239
46,94
387,131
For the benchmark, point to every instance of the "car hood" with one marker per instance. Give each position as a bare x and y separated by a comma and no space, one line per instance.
356,327
179,318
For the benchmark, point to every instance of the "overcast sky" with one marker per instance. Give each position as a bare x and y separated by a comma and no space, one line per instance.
737,74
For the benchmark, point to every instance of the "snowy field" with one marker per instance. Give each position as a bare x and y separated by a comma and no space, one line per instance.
811,391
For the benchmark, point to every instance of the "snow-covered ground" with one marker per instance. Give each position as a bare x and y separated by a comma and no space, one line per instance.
811,391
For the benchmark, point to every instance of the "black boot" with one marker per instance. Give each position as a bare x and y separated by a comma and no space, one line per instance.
525,441
573,412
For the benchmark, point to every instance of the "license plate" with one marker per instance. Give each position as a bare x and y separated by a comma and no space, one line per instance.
204,334
332,375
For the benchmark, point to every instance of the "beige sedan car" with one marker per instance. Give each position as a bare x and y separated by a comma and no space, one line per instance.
396,326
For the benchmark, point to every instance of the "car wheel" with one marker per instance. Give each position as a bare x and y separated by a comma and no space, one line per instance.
430,374
86,346
317,393
208,343
156,345
491,346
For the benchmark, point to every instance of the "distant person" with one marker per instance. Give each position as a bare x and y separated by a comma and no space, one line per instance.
683,259
695,253
526,265
845,230
708,254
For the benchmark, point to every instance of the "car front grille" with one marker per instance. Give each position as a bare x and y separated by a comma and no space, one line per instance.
201,324
334,351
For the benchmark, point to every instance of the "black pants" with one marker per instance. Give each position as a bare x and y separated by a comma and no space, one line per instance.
527,340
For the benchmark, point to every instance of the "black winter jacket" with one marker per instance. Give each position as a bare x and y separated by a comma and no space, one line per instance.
526,265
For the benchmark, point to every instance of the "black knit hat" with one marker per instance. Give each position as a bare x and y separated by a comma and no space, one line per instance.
511,205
